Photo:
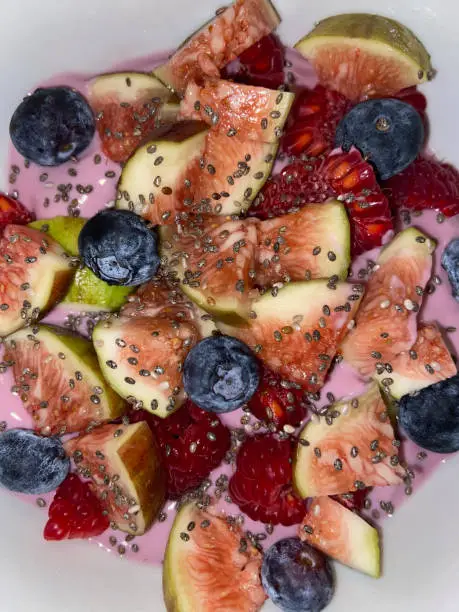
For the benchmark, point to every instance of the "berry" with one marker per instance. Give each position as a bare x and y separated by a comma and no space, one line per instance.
262,483
412,96
340,175
262,64
192,443
119,248
274,404
30,463
13,212
52,125
426,184
430,418
354,500
297,577
75,512
450,262
388,132
313,120
220,374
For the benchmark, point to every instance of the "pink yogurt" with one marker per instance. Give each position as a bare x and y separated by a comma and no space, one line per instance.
38,193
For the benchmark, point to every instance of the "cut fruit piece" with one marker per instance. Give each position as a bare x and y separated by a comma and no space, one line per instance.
362,55
246,124
128,106
61,384
254,112
425,185
218,42
64,230
353,452
214,260
234,170
312,243
342,535
142,357
313,120
75,512
262,64
12,211
35,273
279,407
386,321
86,291
207,569
297,330
131,484
427,362
163,297
155,182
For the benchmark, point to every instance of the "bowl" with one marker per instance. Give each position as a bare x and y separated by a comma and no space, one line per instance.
421,540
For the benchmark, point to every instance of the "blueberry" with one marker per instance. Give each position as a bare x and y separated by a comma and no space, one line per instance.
30,463
388,132
450,262
430,418
297,577
52,125
220,374
119,248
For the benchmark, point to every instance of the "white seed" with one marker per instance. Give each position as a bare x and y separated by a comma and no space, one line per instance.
409,305
289,429
351,324
436,366
385,304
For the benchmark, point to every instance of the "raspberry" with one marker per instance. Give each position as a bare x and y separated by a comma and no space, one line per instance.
340,175
426,184
192,444
414,97
354,500
262,484
313,120
262,64
277,405
75,512
12,211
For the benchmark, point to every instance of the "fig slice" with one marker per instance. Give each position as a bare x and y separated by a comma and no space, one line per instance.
426,363
366,56
342,535
348,451
60,381
386,323
35,273
86,292
128,106
218,42
123,463
209,565
296,330
309,244
217,279
156,180
256,113
141,357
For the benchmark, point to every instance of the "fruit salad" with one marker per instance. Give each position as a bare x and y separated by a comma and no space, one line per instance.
229,284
